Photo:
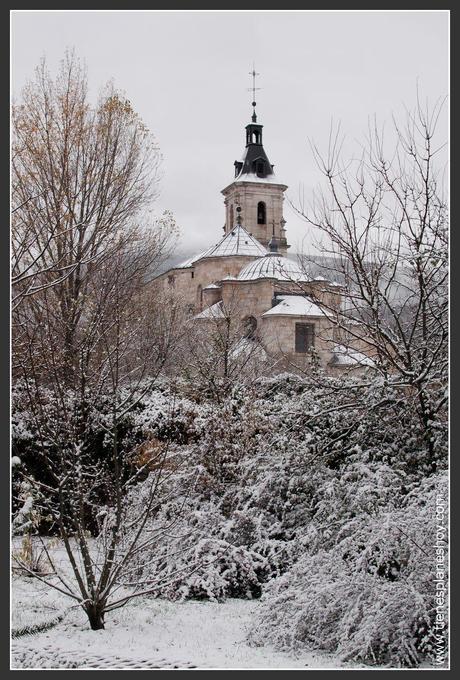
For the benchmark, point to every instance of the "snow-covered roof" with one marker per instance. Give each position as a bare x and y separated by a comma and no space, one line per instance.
272,266
189,262
253,177
254,156
345,356
295,305
245,347
236,242
213,312
211,285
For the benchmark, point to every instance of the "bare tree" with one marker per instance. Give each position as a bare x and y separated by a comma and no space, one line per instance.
89,336
383,225
223,347
82,178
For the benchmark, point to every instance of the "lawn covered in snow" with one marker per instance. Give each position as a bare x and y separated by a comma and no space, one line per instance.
146,633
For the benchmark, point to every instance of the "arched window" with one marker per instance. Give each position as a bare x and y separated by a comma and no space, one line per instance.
231,217
249,326
261,213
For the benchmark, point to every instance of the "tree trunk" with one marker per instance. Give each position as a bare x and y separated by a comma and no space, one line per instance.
426,418
95,614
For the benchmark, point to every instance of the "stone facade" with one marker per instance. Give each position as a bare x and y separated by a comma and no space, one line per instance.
180,283
250,298
248,276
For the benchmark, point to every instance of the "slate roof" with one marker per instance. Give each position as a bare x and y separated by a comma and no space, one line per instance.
236,242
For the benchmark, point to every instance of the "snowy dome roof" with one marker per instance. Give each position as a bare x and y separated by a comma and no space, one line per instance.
237,242
272,266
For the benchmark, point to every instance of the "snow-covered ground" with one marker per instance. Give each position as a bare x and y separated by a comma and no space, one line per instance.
146,633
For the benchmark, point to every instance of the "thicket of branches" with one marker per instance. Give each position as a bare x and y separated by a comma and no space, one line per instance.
382,226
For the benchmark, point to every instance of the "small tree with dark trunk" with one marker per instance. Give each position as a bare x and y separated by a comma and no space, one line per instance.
89,337
84,488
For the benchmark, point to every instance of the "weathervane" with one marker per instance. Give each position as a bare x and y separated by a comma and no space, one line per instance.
253,90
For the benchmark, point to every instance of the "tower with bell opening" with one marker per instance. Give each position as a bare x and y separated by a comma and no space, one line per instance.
255,189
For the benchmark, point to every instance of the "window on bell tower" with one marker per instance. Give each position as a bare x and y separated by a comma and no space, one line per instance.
258,167
261,213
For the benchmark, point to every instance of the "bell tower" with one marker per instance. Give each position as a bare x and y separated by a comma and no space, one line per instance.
256,190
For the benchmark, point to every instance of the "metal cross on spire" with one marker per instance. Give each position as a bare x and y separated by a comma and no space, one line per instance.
253,89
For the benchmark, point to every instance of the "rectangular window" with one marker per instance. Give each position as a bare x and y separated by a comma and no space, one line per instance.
304,337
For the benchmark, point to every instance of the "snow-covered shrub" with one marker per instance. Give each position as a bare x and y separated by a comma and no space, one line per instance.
169,415
267,479
331,420
371,597
321,489
220,570
191,552
233,431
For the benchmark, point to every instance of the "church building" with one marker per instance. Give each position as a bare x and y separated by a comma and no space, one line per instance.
248,275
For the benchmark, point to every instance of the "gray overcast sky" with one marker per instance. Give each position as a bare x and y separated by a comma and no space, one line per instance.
187,74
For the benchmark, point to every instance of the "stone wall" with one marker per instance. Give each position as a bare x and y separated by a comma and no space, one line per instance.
211,296
248,298
180,282
356,339
190,283
214,269
323,291
278,335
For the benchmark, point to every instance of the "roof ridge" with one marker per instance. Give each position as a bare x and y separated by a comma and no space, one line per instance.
219,250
